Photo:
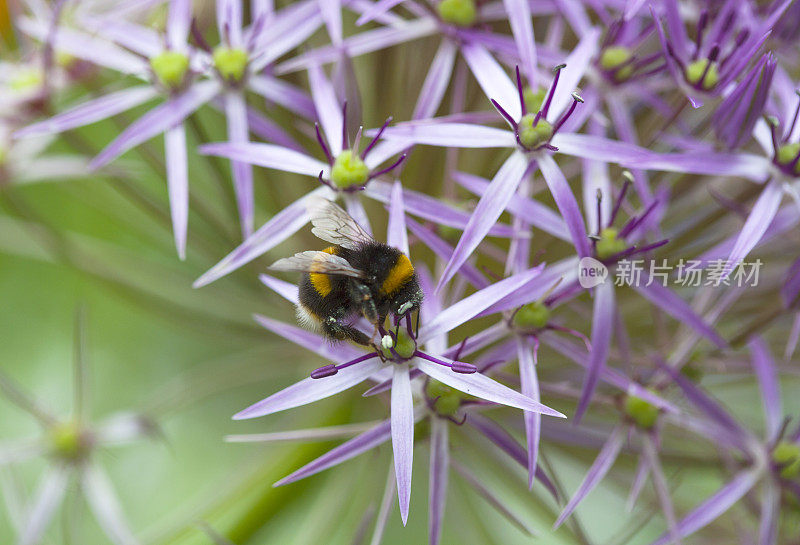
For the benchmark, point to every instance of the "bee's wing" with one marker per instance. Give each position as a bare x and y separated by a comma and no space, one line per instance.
317,262
334,225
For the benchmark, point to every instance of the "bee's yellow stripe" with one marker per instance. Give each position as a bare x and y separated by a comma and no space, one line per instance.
398,275
322,282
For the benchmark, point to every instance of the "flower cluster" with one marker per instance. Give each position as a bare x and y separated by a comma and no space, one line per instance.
522,154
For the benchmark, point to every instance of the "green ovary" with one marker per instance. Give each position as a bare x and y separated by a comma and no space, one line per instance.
170,67
787,455
533,136
696,70
447,399
349,170
230,63
458,12
642,412
404,346
786,155
25,80
67,442
532,316
615,59
534,99
609,243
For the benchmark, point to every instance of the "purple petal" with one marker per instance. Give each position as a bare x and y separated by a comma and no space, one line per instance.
710,407
669,302
603,149
402,436
488,210
283,93
396,235
91,111
770,513
764,367
758,221
566,203
229,21
266,155
310,390
530,388
534,212
602,327
492,78
365,42
349,449
435,85
605,459
179,18
83,46
650,453
430,208
236,112
519,16
280,227
158,120
331,11
458,135
745,165
714,506
178,184
444,251
318,344
437,493
329,109
577,63
285,289
378,8
481,386
469,307
677,31
505,442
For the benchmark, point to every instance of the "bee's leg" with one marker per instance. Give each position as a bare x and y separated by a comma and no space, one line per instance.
363,296
344,332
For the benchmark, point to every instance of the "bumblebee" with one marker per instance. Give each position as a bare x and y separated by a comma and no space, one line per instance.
356,276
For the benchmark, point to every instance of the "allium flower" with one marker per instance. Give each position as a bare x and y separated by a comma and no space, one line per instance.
400,350
722,49
68,446
180,72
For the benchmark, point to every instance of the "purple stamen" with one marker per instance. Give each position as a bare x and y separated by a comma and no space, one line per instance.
572,332
521,93
618,204
634,222
345,136
322,145
377,136
599,211
258,27
326,371
456,366
357,141
197,34
552,90
678,61
575,99
794,119
387,169
505,114
701,27
332,369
